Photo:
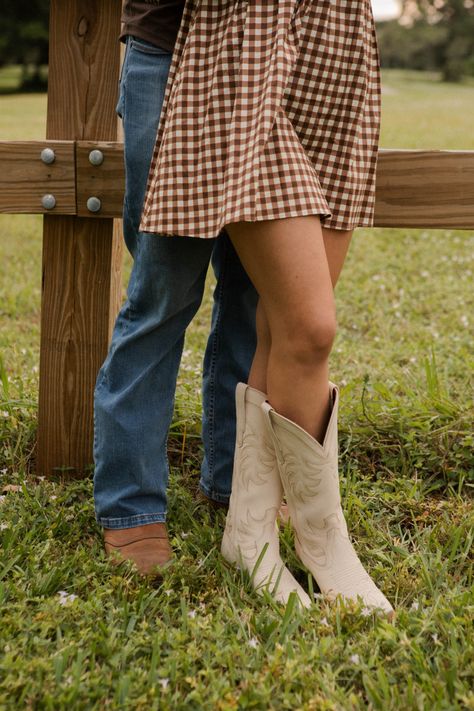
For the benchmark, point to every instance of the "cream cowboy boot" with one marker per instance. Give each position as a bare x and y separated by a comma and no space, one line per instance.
254,503
309,473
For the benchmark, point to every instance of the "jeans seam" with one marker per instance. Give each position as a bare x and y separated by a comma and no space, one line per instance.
213,494
131,521
115,508
214,351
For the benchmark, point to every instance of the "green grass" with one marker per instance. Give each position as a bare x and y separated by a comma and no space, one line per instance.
202,640
12,77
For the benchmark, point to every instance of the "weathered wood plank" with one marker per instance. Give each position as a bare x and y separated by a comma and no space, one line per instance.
25,179
419,188
74,340
105,181
415,188
78,254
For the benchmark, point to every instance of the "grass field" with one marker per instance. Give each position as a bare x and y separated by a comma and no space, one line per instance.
76,635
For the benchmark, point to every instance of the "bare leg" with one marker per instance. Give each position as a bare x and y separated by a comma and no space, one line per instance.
336,243
294,265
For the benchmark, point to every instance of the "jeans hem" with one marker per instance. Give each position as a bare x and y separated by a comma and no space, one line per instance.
212,494
131,521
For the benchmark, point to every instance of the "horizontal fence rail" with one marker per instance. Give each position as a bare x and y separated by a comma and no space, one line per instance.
414,188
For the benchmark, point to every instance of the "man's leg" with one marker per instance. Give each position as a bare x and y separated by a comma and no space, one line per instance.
229,353
135,388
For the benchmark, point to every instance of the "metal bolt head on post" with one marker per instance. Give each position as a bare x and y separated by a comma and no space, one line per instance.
96,157
94,204
48,201
48,156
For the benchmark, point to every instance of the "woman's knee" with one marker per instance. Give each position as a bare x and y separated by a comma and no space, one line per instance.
309,341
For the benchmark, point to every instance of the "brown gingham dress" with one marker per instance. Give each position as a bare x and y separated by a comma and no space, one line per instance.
271,110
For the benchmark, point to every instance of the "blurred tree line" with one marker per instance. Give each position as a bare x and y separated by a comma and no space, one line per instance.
431,35
24,39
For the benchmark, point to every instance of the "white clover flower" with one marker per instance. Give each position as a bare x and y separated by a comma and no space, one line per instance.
354,659
253,642
65,598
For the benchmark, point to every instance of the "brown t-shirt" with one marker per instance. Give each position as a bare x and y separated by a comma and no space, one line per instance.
155,21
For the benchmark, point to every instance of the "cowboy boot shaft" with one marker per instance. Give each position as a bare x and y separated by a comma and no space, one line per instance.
256,491
254,459
309,473
315,495
251,535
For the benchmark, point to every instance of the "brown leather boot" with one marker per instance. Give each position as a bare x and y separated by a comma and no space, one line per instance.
147,546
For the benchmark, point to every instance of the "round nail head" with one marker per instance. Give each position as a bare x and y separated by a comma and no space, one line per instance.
96,157
48,156
48,202
94,204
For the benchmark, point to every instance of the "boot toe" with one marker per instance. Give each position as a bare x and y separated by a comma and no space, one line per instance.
146,546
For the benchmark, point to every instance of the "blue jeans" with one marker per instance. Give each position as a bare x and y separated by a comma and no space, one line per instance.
135,387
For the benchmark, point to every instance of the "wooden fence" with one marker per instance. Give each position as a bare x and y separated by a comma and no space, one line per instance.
80,192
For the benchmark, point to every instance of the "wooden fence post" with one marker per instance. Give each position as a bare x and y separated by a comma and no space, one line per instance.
81,256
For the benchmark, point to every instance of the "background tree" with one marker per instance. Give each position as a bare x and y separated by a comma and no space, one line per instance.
24,37
417,47
455,41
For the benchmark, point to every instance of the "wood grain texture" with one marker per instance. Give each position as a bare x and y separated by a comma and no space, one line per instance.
418,188
415,188
85,60
77,252
75,336
24,178
105,181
